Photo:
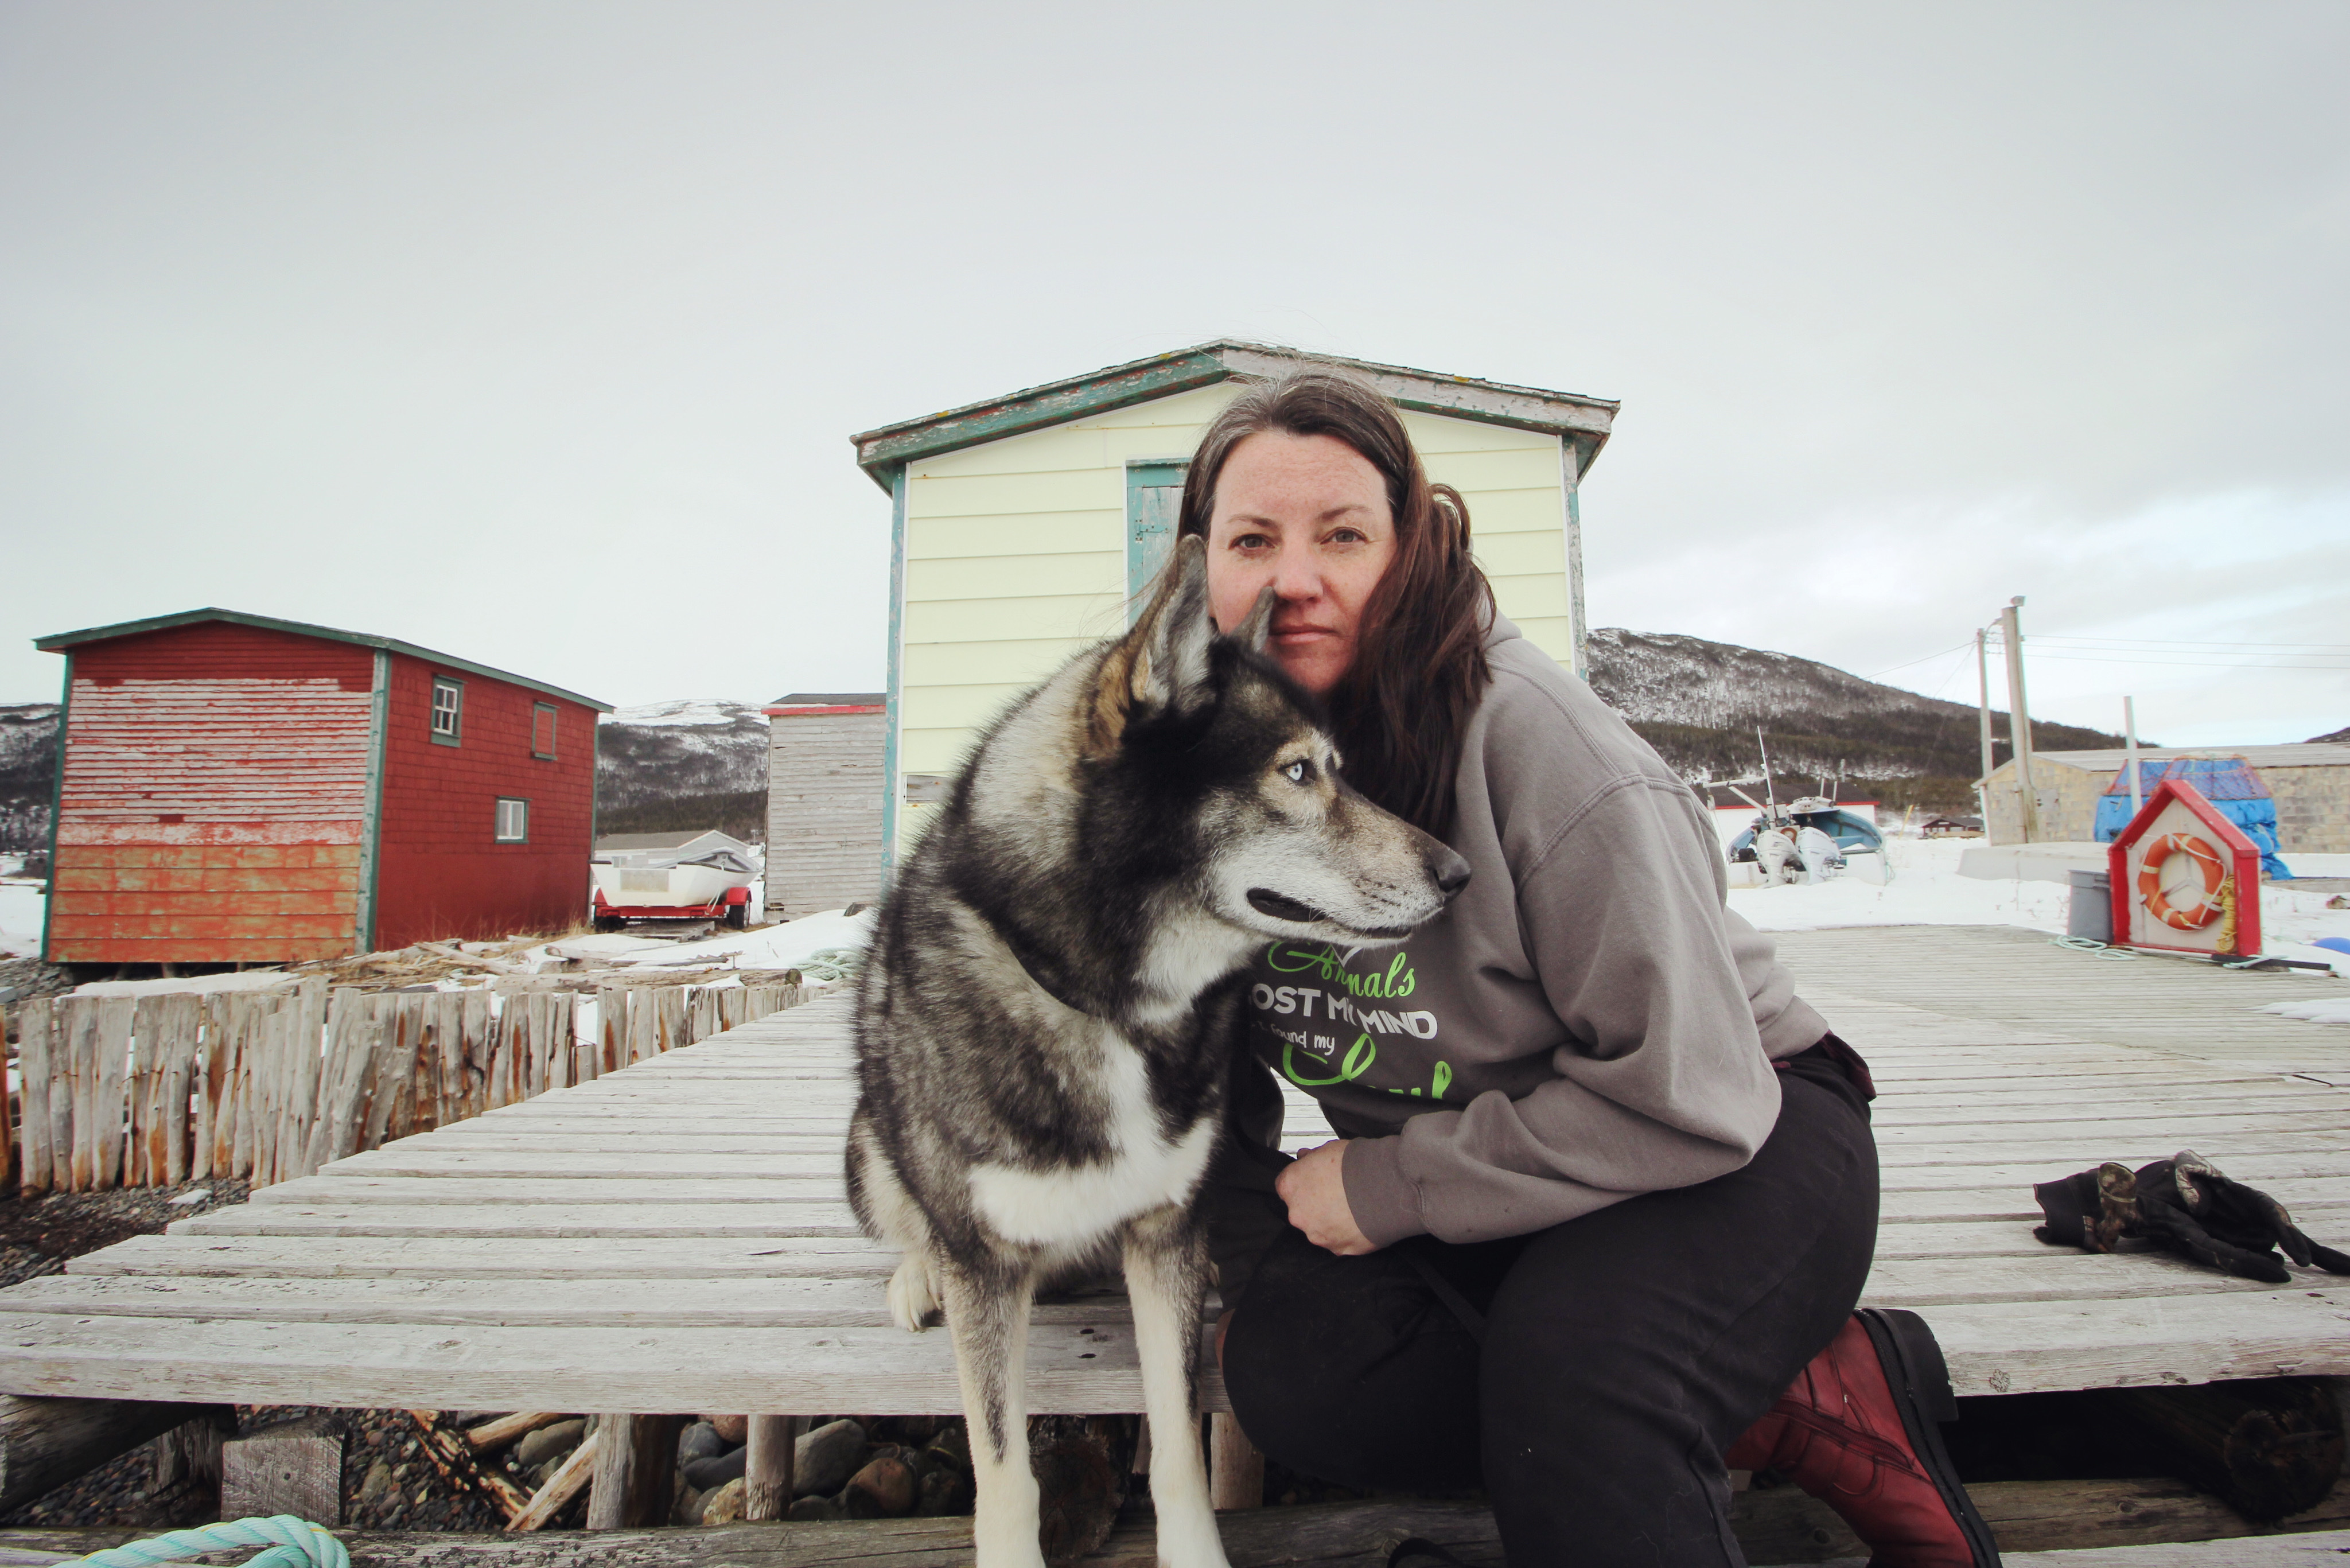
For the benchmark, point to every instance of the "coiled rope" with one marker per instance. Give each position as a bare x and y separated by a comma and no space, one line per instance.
292,1543
2090,945
829,963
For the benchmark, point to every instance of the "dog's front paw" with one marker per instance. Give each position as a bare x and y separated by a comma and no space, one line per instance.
913,1296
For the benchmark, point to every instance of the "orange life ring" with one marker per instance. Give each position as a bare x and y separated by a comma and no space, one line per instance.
2207,859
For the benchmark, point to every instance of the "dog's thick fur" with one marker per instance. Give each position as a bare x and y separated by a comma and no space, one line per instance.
1049,1009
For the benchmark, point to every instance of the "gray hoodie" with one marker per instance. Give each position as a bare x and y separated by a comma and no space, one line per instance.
1586,1023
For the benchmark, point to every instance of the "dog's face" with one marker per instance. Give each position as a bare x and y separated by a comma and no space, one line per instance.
1235,759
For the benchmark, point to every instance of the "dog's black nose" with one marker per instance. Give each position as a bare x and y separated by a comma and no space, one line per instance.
1452,872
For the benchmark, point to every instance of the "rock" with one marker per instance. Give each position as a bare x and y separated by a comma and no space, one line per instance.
687,1510
1080,1490
717,1471
945,1491
953,1444
824,1459
700,1441
885,1489
724,1506
731,1429
377,1485
547,1443
812,1508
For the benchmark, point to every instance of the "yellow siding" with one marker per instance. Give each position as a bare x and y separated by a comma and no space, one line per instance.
1016,552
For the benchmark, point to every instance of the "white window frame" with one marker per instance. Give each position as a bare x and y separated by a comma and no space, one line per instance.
503,826
454,733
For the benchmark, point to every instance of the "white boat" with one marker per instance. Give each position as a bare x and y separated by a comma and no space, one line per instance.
693,879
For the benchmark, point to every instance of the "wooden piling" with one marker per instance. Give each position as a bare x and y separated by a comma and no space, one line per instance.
36,1025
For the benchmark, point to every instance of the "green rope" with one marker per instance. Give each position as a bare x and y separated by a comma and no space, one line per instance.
2090,945
830,963
292,1543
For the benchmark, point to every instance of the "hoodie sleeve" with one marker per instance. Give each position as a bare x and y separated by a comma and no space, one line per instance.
1664,1081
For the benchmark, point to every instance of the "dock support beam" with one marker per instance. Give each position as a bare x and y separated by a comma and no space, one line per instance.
45,1443
636,1463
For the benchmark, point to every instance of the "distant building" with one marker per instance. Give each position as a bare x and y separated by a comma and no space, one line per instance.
1025,524
2310,781
825,778
236,788
1951,828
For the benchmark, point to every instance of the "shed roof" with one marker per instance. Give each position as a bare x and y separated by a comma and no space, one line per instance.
58,641
2299,754
1584,420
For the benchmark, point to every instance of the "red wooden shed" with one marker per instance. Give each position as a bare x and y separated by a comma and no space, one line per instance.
232,787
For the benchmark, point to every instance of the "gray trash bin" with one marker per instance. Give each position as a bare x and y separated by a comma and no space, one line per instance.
2091,914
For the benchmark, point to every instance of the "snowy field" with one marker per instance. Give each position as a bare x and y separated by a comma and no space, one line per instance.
1927,890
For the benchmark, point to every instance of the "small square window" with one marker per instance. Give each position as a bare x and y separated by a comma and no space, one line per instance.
448,710
542,730
514,822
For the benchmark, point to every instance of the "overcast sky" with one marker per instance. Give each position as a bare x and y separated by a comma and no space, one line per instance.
535,332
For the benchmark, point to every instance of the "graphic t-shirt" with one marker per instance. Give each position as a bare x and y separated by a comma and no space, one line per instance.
1586,1023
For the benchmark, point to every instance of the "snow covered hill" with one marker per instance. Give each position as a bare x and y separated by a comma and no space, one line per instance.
694,762
28,764
1698,702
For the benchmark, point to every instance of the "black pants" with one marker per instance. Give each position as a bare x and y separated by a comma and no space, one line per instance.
1621,1352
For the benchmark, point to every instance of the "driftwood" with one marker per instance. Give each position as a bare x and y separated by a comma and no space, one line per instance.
570,1477
2269,1447
452,1455
45,1443
636,1464
488,1436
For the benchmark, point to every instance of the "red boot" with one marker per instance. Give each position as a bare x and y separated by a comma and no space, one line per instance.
1858,1431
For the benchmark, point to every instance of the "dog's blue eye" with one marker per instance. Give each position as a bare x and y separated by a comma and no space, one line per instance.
1298,770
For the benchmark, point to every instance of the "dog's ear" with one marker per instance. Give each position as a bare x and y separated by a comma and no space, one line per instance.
1256,632
1162,664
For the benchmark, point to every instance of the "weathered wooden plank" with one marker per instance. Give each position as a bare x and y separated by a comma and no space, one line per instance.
2055,1273
37,1024
404,1191
1083,1370
395,1160
115,1018
800,1301
2022,1347
483,1258
813,1217
45,1443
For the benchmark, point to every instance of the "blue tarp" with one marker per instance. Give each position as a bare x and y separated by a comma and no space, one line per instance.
2234,790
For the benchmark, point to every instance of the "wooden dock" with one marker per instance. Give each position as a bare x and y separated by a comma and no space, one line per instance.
672,1236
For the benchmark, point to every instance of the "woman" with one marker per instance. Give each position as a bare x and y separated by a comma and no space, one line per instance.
1605,1189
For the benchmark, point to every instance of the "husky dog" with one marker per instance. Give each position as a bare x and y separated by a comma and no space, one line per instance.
1047,1012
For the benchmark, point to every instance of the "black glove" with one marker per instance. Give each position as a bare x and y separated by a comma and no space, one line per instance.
2184,1205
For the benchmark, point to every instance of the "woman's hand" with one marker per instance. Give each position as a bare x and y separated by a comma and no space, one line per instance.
1316,1191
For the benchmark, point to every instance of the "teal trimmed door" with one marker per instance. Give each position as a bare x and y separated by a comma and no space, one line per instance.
1154,500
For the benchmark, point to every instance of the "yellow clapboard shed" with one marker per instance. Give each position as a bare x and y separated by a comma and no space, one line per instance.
1023,526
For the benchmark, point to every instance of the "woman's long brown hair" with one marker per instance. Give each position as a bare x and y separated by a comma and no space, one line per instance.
1419,666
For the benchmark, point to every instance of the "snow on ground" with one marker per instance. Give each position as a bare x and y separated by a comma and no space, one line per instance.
21,904
1926,890
787,946
247,979
2325,1010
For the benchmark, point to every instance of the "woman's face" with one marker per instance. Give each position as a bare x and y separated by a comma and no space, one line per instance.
1309,516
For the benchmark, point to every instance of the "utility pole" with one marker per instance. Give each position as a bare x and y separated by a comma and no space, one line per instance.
2019,721
2129,733
1983,680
